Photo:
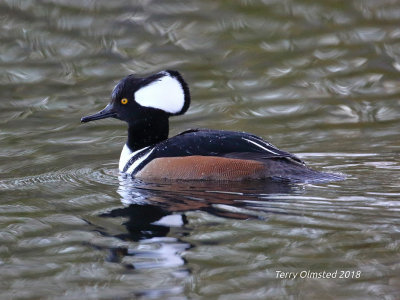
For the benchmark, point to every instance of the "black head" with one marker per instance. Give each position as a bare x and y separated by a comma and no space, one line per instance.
136,99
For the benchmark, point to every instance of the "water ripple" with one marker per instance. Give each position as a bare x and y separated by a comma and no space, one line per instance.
74,177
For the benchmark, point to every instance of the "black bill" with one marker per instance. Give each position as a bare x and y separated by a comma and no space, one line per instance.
107,112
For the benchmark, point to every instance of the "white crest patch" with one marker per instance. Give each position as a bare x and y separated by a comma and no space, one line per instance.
166,94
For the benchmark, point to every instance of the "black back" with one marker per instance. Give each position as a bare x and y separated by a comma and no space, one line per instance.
223,143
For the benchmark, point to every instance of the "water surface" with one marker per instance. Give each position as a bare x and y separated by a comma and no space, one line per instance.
316,78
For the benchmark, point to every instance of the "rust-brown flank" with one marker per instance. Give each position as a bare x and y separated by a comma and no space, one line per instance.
202,168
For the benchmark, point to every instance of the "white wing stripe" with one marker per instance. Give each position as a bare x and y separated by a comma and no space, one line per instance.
261,146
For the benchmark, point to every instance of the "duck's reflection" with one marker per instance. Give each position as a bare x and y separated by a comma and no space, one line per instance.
152,210
213,197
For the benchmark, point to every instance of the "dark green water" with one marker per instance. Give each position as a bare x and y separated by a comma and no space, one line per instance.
316,78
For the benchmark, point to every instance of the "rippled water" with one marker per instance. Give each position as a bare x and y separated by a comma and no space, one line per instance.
316,78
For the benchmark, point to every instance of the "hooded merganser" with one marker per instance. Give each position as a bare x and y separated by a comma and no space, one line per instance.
196,154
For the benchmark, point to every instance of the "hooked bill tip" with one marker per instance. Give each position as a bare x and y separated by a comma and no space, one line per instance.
105,113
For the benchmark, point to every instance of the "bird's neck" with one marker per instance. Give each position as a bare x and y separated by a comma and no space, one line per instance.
147,132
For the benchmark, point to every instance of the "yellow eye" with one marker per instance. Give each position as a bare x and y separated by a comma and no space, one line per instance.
124,101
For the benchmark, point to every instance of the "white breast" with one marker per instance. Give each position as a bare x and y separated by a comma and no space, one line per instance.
124,158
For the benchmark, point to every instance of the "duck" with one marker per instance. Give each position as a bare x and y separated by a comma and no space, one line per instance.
147,103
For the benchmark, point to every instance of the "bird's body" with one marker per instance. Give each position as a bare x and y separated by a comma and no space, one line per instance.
196,154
